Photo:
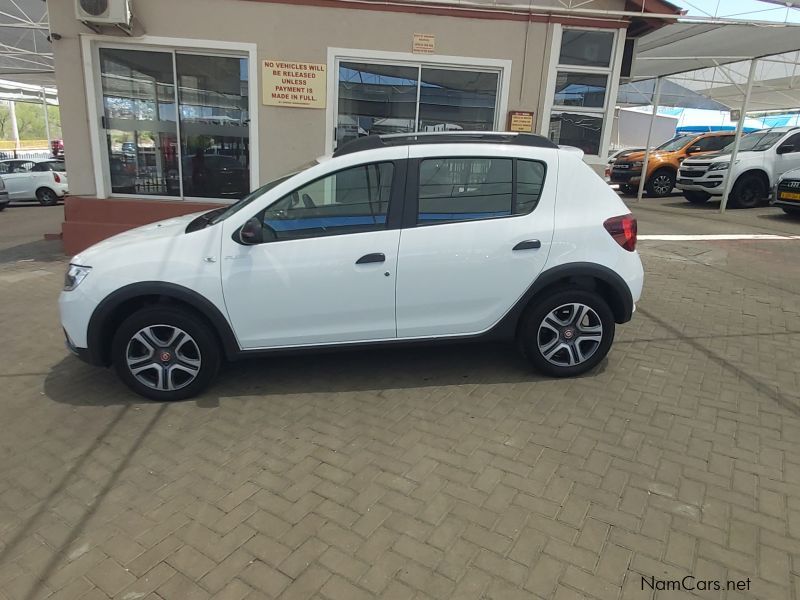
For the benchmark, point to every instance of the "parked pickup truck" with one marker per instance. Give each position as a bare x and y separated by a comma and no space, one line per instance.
663,163
763,157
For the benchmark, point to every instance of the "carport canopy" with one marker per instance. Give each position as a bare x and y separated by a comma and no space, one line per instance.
745,66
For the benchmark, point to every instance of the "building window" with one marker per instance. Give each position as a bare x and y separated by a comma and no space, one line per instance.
582,79
184,140
380,98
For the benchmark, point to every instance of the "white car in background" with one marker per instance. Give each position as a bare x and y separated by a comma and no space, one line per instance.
34,179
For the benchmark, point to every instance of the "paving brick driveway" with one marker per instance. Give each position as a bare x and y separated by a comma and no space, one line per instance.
435,473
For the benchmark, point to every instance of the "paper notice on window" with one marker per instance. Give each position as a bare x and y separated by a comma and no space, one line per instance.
294,84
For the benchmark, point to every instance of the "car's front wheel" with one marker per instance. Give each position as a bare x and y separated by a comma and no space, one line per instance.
749,191
165,354
568,332
627,190
660,184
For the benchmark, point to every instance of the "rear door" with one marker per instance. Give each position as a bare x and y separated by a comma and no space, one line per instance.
477,232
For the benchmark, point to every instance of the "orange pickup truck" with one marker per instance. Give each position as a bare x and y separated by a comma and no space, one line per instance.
662,166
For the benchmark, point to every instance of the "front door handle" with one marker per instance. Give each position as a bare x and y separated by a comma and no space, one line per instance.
375,257
528,245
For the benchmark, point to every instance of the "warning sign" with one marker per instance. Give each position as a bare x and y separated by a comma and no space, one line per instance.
520,121
295,84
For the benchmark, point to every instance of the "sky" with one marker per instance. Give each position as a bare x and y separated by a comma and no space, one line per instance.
740,9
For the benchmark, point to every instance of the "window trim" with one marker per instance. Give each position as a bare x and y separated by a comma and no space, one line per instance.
90,55
606,113
411,205
406,59
394,212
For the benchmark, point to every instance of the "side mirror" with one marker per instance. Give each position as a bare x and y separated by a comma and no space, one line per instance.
786,149
694,149
253,232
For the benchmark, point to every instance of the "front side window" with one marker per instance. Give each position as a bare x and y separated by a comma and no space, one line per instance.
675,143
353,200
467,189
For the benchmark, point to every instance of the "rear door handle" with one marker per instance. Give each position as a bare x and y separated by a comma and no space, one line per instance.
528,245
376,257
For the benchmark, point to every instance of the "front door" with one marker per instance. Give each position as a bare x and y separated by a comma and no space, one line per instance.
19,181
478,242
327,272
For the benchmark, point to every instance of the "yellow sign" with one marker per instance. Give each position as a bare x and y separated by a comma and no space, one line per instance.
520,121
424,43
789,196
295,84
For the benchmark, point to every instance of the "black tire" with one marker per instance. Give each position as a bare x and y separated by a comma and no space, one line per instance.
660,184
697,197
3,207
533,333
749,191
787,209
171,360
627,190
46,197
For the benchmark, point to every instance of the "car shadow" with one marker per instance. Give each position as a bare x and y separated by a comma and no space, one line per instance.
781,217
710,205
74,382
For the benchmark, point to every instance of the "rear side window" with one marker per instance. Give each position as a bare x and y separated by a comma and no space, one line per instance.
468,189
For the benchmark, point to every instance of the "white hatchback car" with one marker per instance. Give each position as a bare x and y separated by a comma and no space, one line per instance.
34,179
393,239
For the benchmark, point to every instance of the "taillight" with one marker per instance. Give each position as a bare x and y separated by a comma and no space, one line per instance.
623,230
57,177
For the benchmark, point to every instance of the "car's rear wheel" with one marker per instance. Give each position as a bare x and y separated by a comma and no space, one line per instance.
697,197
568,332
787,209
749,191
660,184
165,354
46,197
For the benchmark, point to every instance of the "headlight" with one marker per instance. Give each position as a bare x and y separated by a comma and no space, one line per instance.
720,166
74,275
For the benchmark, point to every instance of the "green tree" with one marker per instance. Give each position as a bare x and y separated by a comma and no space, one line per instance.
30,121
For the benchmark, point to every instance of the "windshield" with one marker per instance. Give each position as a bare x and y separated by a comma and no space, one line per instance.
676,143
757,141
237,206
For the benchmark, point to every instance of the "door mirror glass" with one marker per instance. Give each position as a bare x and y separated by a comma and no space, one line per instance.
252,233
786,149
694,149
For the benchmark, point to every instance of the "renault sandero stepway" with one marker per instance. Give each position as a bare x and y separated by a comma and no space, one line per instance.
391,240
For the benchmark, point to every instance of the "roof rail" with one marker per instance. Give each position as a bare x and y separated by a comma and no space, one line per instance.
373,142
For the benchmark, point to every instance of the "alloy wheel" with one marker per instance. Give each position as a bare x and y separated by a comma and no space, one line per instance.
662,185
570,335
163,357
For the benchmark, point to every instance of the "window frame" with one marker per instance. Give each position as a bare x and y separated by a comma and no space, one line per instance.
606,112
394,211
421,61
90,53
411,205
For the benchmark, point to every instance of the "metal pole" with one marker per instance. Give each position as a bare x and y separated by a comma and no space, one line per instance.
47,122
14,127
656,100
739,127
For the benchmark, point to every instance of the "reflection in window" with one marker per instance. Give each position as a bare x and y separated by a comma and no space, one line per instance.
464,189
145,156
375,99
451,100
139,104
581,131
213,95
530,180
350,201
586,48
581,89
379,99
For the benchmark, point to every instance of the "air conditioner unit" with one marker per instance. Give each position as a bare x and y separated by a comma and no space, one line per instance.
104,12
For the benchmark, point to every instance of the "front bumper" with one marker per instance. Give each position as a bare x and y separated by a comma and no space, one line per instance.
82,353
625,177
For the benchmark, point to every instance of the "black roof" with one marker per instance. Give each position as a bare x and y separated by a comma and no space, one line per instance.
373,142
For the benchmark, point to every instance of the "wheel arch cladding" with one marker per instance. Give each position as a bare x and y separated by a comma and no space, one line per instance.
587,276
122,303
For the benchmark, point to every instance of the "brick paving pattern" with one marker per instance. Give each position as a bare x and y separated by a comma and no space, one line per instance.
430,473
